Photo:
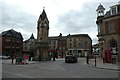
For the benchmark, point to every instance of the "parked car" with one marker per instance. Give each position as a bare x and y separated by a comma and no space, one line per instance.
71,58
4,57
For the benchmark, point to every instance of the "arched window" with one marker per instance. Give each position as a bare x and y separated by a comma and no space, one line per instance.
113,44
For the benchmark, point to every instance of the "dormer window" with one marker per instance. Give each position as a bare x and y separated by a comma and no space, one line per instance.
114,10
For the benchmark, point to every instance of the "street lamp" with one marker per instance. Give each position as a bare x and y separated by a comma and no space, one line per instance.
95,56
86,55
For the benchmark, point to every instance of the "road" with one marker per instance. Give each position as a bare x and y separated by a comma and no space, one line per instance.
55,69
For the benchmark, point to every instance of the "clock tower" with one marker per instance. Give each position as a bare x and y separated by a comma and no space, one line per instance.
42,37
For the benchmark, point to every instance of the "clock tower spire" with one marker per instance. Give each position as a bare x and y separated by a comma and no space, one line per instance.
42,36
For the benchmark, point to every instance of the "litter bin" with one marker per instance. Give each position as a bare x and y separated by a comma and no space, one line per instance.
113,60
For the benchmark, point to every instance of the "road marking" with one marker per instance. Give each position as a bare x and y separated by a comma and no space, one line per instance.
16,74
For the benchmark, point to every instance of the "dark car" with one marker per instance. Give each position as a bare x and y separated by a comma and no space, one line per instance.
71,58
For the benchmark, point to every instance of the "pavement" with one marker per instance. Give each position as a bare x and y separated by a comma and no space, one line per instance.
99,63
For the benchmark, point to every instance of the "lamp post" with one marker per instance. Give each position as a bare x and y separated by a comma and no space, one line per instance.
95,57
30,52
86,55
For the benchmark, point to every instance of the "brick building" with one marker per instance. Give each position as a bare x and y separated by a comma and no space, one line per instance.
109,30
12,43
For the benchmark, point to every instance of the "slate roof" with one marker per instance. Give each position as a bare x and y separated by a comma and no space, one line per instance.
108,12
32,37
28,40
12,33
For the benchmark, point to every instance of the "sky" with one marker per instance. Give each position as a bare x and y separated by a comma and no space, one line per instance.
65,16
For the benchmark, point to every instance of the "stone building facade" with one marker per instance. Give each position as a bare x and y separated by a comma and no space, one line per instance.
77,44
58,44
12,43
109,30
29,46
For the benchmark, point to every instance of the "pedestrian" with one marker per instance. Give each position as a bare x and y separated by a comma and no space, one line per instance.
26,57
53,56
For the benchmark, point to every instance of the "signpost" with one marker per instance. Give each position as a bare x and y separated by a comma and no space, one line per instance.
95,60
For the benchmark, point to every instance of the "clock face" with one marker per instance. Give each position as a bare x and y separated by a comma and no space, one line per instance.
45,25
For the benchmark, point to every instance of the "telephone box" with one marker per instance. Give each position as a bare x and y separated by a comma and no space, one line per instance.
108,56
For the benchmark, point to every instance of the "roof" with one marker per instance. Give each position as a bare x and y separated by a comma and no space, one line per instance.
43,15
53,38
57,38
28,40
12,33
77,35
65,37
100,7
32,37
108,13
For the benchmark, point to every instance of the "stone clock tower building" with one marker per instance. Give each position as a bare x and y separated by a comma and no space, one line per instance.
42,37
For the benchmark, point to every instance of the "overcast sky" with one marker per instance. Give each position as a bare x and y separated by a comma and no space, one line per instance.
65,16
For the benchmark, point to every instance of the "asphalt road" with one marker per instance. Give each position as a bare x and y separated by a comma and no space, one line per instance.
55,69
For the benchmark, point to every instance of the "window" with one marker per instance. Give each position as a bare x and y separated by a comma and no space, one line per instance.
111,25
113,44
79,51
40,38
70,39
63,48
59,48
54,46
98,29
49,42
54,42
85,43
80,45
113,10
119,8
7,39
70,45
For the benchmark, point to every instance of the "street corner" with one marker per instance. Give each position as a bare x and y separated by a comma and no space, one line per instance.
105,66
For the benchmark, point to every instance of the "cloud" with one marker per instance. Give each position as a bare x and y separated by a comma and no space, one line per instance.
79,21
15,17
63,17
